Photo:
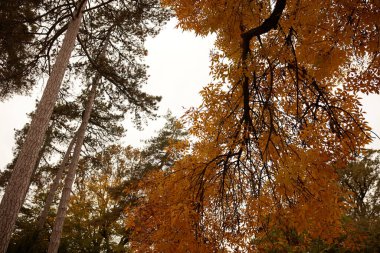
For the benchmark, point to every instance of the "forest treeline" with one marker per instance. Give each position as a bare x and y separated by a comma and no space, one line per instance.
273,160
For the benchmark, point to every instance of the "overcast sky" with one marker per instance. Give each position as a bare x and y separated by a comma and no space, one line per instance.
179,68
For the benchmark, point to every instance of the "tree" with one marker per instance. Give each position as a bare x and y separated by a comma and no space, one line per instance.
96,215
136,97
119,14
362,178
280,119
18,184
105,127
16,38
79,139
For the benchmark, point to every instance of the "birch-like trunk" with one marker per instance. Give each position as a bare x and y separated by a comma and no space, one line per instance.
17,188
65,197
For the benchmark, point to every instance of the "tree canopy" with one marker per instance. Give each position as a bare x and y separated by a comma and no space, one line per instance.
273,160
278,122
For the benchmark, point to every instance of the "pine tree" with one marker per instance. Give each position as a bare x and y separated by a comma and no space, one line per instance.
18,184
79,139
17,37
122,15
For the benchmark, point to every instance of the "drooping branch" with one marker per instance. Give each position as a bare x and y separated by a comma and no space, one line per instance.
269,24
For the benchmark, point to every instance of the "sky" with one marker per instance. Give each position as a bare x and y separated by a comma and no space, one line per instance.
178,69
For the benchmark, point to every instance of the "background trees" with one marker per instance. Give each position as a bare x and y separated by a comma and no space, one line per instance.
95,218
362,178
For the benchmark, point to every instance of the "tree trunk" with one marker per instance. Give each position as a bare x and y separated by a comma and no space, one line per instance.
17,188
54,186
65,197
31,243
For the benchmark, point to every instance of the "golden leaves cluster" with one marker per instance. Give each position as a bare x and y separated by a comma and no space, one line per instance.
273,128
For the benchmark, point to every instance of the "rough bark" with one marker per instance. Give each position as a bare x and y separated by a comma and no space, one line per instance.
17,188
65,197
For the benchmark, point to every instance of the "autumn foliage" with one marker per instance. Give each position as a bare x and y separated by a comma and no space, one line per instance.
280,120
273,160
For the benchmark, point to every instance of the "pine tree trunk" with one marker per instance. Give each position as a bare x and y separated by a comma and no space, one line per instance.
53,187
31,243
17,188
65,197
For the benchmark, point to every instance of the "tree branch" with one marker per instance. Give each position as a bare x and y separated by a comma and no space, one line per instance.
268,24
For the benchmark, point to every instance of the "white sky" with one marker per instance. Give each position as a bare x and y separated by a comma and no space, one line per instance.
179,68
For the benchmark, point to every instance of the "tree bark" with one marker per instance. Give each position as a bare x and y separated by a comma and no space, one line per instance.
49,200
17,188
65,197
53,187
